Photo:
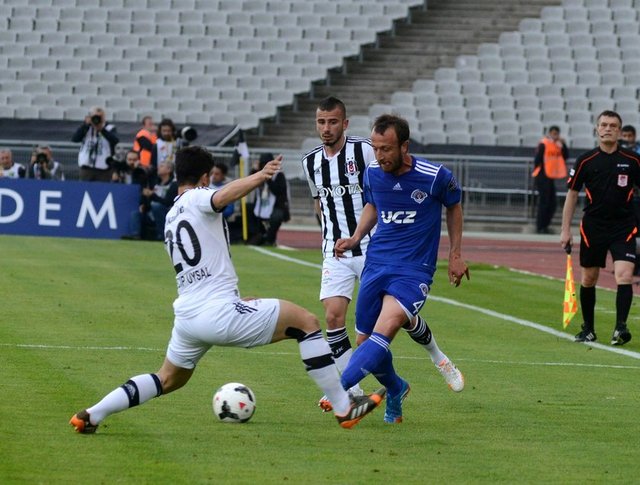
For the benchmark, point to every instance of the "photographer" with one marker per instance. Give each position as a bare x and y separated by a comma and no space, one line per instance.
43,166
129,170
98,140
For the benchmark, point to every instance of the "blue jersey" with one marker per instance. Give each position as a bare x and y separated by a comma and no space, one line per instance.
409,209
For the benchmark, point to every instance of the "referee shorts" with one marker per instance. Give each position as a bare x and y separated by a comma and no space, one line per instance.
597,238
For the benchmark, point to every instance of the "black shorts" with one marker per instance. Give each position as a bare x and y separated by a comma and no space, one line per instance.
598,238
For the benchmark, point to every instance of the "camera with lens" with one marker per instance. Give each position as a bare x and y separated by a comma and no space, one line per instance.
96,119
41,158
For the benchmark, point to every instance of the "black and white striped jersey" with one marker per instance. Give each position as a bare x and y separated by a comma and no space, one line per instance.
337,183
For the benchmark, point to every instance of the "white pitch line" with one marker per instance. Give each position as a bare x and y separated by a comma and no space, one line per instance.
266,352
71,347
501,316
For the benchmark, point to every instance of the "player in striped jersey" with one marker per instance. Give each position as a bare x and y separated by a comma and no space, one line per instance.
334,171
405,196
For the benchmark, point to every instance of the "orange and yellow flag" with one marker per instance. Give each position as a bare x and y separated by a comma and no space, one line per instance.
570,305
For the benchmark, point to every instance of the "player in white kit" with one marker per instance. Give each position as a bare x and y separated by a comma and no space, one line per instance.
209,310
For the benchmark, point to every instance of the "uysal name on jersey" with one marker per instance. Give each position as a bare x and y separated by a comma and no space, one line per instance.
193,276
340,190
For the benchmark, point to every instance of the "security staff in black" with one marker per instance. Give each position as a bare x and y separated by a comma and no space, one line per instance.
608,174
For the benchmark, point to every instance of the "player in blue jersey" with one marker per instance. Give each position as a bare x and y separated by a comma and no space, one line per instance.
404,197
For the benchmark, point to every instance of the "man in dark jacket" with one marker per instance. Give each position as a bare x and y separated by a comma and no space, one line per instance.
271,203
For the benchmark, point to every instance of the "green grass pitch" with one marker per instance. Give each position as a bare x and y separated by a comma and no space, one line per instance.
79,317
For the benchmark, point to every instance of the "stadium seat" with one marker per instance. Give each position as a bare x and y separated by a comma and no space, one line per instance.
612,79
576,118
524,89
473,89
480,101
479,114
577,104
487,139
508,139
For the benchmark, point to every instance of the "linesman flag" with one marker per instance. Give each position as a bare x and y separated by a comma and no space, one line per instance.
570,305
241,153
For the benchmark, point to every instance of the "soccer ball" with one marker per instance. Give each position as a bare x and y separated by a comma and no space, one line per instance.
234,403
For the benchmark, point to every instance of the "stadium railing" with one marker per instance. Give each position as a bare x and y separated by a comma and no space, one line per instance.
497,189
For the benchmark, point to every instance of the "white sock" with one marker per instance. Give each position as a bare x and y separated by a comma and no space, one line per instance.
421,334
316,355
135,391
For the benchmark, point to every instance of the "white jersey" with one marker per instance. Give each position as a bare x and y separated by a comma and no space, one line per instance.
14,172
338,183
196,238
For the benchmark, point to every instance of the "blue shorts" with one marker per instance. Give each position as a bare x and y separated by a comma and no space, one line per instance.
410,289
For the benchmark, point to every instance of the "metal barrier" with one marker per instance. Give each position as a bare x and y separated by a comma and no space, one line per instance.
496,189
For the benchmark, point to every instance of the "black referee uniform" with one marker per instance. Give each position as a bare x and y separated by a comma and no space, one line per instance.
609,223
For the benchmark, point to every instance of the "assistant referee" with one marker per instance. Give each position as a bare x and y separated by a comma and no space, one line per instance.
608,174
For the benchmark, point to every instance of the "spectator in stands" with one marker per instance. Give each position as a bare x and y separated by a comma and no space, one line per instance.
145,139
550,164
43,166
99,140
8,168
217,179
161,196
166,145
628,139
140,224
271,203
125,171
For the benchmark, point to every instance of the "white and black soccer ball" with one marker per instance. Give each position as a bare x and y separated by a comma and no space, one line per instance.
234,403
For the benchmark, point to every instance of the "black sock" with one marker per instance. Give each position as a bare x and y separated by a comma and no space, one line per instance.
624,297
588,305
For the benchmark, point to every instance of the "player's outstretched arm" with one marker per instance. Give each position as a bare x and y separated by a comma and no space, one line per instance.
569,209
238,188
457,267
368,219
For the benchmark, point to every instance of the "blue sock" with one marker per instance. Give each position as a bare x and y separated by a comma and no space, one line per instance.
372,357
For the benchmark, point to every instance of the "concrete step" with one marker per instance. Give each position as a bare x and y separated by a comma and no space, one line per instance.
430,39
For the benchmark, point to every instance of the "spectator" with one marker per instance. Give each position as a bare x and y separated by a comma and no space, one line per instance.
628,139
140,224
8,168
129,170
99,140
43,166
145,139
217,179
161,197
549,165
271,203
608,174
166,145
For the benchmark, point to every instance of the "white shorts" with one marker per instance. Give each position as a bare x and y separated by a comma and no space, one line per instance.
232,324
339,276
